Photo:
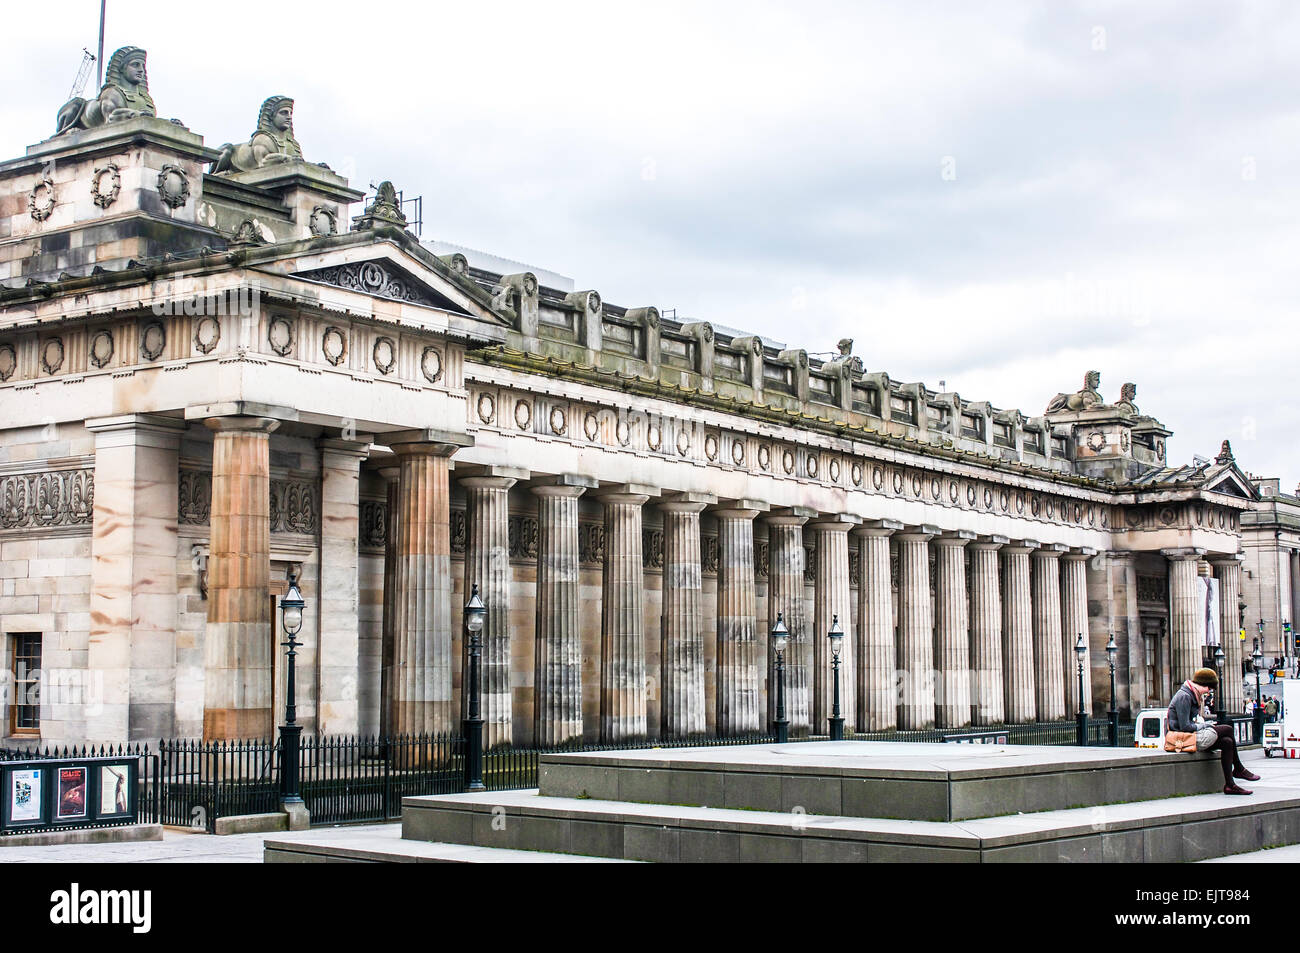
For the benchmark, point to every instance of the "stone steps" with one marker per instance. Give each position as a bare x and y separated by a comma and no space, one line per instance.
370,847
1160,831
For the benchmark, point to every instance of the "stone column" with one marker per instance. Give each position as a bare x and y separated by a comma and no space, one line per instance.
557,679
238,643
622,641
681,658
1049,665
877,688
1228,569
1186,613
339,653
422,664
487,565
387,651
832,601
739,694
915,630
952,706
785,596
1074,622
988,706
131,657
1018,633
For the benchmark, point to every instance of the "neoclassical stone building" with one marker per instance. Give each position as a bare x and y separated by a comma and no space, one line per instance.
209,380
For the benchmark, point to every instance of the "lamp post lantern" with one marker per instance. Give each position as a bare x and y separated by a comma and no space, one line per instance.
475,615
1220,716
1081,652
780,640
1112,650
1257,656
291,606
836,636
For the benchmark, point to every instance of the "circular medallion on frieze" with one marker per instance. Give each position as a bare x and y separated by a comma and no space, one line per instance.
1096,441
953,492
1200,516
812,465
101,347
173,186
1050,505
487,408
654,437
1020,502
591,426
1168,515
1222,519
787,461
877,477
683,442
559,420
764,457
1004,500
1035,504
738,452
431,364
1124,440
1133,517
153,338
711,447
898,482
279,334
40,201
8,361
523,414
334,345
834,469
106,184
855,474
323,221
1092,514
988,498
384,354
936,488
207,332
623,433
52,355
1078,512
916,485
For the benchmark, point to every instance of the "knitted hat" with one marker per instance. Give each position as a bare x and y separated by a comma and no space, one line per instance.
1206,677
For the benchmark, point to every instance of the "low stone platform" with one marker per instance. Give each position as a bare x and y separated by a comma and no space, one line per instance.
344,845
924,782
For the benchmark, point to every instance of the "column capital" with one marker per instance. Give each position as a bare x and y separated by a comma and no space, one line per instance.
1051,550
1121,555
467,470
1223,559
922,532
150,422
991,541
353,448
239,408
736,512
955,537
390,474
487,482
1021,546
628,489
790,515
264,425
878,528
1183,552
564,484
1079,553
691,497
841,522
427,441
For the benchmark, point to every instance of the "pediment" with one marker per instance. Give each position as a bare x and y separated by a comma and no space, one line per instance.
382,278
1231,483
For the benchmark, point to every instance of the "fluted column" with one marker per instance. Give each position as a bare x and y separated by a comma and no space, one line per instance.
1049,664
739,694
422,683
1018,633
988,706
387,647
832,601
237,647
915,630
877,691
785,596
487,565
622,641
681,658
557,672
1074,620
1186,615
952,633
1229,572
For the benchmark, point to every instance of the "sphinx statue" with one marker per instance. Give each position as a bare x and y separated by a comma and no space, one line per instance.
1085,398
272,142
1127,396
124,95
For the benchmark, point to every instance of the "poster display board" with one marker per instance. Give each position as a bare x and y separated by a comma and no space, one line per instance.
78,792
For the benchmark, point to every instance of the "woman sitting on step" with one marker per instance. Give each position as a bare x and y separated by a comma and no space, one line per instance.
1189,701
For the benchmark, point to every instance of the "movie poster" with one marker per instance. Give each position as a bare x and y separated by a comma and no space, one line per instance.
25,795
1211,609
71,794
113,790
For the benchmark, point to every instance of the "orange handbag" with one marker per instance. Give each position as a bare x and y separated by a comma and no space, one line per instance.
1180,741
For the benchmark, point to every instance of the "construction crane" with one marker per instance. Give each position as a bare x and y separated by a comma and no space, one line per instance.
83,73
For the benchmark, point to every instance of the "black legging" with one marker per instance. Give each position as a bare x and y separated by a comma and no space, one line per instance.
1226,745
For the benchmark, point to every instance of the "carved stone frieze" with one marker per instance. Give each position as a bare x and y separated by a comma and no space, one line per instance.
459,536
523,537
373,278
194,498
295,507
591,544
374,523
709,554
43,500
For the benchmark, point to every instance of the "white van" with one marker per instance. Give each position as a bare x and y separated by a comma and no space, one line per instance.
1149,728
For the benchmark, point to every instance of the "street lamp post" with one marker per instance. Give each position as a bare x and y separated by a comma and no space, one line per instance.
780,639
1257,657
1221,716
475,615
1112,650
291,607
836,636
1081,651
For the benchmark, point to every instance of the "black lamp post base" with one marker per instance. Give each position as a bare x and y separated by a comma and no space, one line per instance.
837,729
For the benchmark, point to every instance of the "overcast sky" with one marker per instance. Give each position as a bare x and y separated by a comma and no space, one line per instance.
997,195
